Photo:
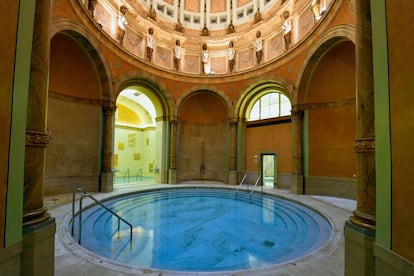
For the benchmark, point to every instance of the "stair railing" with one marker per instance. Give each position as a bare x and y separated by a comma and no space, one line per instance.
85,194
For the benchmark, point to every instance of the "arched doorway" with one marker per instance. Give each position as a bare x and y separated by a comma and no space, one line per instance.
139,138
203,138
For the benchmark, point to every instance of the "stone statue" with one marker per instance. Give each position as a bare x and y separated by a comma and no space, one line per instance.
287,29
152,14
231,55
259,47
204,59
230,28
316,9
150,44
179,27
91,7
177,55
122,22
257,16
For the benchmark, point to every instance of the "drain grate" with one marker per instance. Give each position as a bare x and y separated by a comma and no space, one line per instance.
268,243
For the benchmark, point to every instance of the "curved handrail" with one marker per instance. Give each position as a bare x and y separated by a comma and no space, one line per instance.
255,184
85,194
126,174
242,181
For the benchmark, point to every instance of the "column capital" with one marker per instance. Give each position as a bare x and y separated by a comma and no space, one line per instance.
364,145
37,138
109,107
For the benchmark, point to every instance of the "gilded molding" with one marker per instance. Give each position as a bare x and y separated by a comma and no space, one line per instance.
37,138
364,145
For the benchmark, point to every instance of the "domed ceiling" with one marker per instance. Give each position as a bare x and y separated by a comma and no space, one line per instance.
214,14
277,24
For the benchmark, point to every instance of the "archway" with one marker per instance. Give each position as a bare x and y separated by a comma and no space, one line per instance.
139,139
265,128
328,101
74,115
203,138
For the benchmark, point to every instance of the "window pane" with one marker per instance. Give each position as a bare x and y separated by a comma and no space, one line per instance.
285,106
269,106
254,114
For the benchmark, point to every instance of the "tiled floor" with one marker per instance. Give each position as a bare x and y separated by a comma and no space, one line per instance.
71,259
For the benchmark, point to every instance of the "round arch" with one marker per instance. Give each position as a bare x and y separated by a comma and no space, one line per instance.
257,90
204,89
151,149
325,42
82,36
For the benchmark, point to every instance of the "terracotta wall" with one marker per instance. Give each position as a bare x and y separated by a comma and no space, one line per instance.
331,107
74,120
401,60
71,70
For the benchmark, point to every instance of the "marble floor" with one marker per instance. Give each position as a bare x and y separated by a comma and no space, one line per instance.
71,259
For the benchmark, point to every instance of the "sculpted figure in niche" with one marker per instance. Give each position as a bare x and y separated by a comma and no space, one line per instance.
122,22
287,30
177,55
259,47
204,59
91,7
152,14
179,26
316,9
150,44
257,16
230,28
231,55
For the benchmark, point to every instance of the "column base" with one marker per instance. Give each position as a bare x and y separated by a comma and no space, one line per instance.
297,184
388,262
107,181
10,259
233,177
39,249
359,254
172,176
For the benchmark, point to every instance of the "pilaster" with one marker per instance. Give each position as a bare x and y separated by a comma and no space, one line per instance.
297,174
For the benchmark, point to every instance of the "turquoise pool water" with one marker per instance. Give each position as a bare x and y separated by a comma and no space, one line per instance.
203,229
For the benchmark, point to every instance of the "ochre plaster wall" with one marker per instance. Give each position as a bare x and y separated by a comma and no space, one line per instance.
74,120
203,139
71,70
273,138
332,117
401,60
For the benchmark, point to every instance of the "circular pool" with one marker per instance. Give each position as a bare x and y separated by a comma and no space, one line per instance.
202,229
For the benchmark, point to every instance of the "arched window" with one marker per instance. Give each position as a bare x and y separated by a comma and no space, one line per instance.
270,105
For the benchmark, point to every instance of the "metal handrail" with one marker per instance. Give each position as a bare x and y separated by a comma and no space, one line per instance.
139,173
255,184
85,194
241,183
125,175
78,190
